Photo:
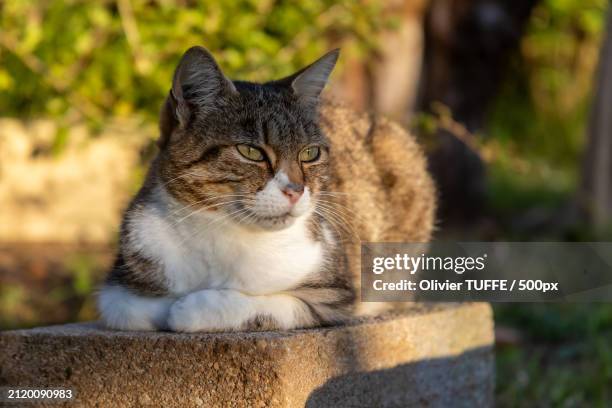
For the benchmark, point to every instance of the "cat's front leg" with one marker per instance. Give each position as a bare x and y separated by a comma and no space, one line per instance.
215,310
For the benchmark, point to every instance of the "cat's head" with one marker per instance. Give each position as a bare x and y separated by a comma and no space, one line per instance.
252,153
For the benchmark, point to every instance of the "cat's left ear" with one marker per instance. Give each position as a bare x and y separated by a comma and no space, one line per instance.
198,84
309,82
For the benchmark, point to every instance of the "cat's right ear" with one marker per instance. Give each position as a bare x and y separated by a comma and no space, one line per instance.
198,84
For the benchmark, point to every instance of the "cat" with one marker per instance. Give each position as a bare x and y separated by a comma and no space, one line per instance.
252,212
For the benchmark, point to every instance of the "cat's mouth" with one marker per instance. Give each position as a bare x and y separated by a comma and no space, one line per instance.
274,217
249,216
272,222
276,222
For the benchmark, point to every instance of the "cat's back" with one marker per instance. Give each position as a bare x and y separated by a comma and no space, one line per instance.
379,176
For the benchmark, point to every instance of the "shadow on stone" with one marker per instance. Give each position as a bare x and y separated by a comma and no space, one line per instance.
459,381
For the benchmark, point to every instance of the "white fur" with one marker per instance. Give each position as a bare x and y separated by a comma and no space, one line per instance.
125,311
222,273
216,310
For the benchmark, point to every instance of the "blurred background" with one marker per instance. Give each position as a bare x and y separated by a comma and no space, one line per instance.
512,100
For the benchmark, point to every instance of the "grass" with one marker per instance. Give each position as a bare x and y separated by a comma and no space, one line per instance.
564,358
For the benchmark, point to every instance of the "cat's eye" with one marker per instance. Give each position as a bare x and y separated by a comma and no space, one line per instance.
310,154
250,152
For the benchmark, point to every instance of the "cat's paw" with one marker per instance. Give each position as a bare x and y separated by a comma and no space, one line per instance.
207,311
180,317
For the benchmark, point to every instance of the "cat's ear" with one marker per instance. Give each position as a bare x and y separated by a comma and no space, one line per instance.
198,84
308,83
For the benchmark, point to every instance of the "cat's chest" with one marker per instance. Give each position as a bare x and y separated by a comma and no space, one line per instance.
252,262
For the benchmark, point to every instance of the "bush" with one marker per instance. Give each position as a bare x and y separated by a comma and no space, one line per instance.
96,59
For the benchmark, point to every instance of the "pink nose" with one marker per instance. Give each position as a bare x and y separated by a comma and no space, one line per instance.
293,192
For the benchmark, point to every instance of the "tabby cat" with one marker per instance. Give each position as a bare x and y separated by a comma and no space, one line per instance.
251,215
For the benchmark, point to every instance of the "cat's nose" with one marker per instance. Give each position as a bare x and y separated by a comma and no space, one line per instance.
293,192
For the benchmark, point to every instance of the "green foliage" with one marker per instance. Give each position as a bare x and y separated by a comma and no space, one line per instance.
82,268
539,121
12,310
516,185
542,110
117,57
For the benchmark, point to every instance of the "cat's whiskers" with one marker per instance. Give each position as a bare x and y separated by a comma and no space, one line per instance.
345,225
205,200
218,223
202,209
222,221
210,227
337,228
342,207
189,206
199,210
336,220
166,183
335,193
337,210
248,217
324,196
179,177
212,202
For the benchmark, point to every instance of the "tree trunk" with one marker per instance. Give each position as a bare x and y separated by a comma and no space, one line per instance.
468,43
387,81
596,190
